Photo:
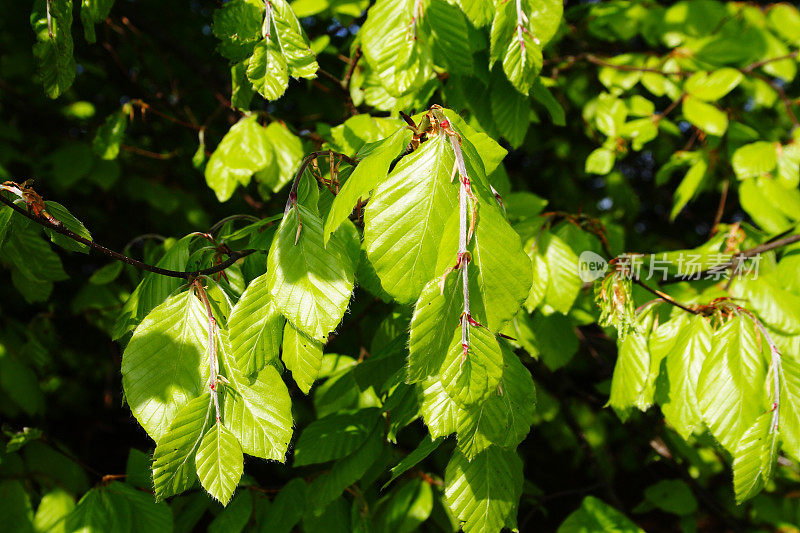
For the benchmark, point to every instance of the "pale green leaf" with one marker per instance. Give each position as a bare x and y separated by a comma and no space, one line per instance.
600,161
406,216
689,186
163,365
754,159
310,283
777,307
267,70
258,412
562,265
705,116
789,408
219,463
302,355
438,410
684,363
471,377
483,493
402,61
479,12
173,461
371,170
449,37
97,510
754,458
436,317
711,86
293,42
244,150
730,387
510,108
256,328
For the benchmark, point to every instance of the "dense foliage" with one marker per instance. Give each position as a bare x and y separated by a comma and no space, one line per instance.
404,265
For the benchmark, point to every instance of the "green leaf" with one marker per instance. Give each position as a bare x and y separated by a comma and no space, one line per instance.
15,506
68,221
403,64
684,363
788,174
789,421
426,447
755,457
219,463
449,37
242,92
98,510
436,317
629,385
689,186
163,365
267,70
406,216
106,274
705,116
302,355
438,410
777,307
173,461
334,436
288,156
54,53
755,198
109,136
483,493
256,328
597,516
600,161
238,25
293,42
52,511
471,377
235,516
673,496
330,485
287,508
562,265
730,387
371,170
244,150
754,159
510,108
94,12
310,283
258,412
146,513
480,13
711,86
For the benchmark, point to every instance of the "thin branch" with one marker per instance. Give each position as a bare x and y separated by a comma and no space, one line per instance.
145,107
664,296
59,228
310,157
721,207
752,66
349,75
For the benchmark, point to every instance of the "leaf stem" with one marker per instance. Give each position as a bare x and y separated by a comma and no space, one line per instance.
213,362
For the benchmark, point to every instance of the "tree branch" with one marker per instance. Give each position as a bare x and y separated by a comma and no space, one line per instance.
59,228
306,160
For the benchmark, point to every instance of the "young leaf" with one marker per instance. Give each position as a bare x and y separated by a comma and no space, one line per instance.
62,214
109,136
471,377
174,470
219,463
562,265
711,86
406,216
163,365
244,150
293,42
258,411
684,363
256,328
730,387
755,458
705,116
438,410
267,70
436,317
629,385
597,516
483,493
302,355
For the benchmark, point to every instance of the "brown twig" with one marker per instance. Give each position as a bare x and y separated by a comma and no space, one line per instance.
721,207
59,228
